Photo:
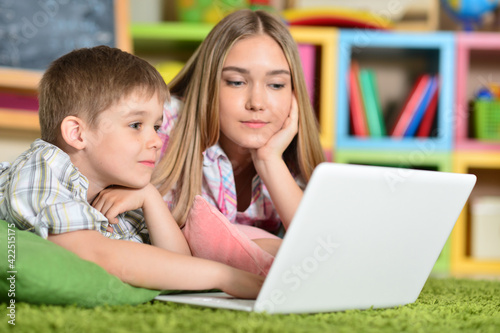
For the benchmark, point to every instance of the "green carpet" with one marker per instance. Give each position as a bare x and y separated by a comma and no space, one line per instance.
445,305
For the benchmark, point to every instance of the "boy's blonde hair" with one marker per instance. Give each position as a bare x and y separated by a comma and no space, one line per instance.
87,81
198,127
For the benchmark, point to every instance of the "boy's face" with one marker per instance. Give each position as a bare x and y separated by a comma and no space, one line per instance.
123,148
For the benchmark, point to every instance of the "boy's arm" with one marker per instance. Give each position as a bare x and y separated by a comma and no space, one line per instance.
151,267
163,230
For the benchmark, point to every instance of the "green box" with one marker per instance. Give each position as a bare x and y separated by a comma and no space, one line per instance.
487,120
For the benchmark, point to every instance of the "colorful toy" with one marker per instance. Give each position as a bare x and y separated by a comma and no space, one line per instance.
336,17
494,87
207,11
469,12
484,94
490,92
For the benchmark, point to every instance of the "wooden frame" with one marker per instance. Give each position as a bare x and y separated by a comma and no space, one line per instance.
420,17
442,43
27,80
461,262
327,39
466,44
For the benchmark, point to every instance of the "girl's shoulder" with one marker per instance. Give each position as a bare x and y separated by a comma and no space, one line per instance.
172,108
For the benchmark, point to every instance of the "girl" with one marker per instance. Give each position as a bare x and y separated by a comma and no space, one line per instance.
240,129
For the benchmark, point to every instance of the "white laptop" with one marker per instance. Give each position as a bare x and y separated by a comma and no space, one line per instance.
362,237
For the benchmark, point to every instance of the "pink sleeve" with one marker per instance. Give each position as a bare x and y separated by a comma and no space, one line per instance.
211,236
170,114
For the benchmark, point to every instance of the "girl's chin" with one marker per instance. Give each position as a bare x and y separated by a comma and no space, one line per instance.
241,145
255,143
251,146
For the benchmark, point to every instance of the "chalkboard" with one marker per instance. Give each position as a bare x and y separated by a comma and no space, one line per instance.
33,33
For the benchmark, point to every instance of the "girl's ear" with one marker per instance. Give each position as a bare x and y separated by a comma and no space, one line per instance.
72,132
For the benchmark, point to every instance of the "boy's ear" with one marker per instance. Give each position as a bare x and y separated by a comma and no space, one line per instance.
72,132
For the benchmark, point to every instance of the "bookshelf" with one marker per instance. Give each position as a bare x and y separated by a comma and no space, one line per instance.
401,58
400,159
477,58
325,40
486,166
477,63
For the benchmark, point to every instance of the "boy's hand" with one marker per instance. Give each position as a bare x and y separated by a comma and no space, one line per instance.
114,201
164,231
241,284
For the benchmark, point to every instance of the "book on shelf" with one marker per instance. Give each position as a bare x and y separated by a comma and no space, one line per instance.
307,53
18,101
422,107
371,102
18,110
356,107
424,130
410,106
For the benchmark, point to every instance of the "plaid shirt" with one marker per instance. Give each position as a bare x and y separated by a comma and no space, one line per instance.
43,192
218,186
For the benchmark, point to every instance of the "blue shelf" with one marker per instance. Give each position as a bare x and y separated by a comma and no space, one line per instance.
413,159
436,52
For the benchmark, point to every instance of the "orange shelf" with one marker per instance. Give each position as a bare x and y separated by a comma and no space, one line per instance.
19,119
461,261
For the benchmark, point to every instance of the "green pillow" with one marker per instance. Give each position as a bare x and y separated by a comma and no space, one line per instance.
45,273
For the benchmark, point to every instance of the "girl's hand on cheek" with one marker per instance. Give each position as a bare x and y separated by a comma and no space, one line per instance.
277,144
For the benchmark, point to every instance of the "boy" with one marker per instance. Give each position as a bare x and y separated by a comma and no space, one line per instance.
99,112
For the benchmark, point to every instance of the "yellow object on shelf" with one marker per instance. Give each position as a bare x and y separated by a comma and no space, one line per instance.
485,228
327,40
336,17
169,69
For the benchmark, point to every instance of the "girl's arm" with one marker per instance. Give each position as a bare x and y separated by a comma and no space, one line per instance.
268,161
163,230
151,267
284,191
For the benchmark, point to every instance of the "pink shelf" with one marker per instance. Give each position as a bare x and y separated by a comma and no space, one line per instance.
466,44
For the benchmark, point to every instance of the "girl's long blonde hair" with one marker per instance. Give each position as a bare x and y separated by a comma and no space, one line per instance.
197,126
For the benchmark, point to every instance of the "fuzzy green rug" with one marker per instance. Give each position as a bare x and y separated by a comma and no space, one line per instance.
445,305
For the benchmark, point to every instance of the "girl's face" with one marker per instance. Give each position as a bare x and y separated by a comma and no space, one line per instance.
255,94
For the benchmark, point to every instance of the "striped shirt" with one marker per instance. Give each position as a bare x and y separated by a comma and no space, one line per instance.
43,192
218,186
